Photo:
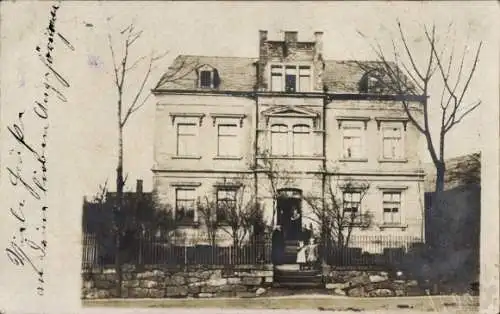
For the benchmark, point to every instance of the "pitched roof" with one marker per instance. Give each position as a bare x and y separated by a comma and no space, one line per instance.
240,73
460,171
236,74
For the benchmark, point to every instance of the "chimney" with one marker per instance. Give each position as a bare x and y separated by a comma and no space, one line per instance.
138,188
263,56
291,37
318,45
318,61
262,35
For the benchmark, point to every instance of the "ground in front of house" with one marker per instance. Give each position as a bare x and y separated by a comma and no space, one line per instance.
277,299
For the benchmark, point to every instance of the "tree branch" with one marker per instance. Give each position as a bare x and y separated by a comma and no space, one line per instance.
465,113
132,108
115,67
408,52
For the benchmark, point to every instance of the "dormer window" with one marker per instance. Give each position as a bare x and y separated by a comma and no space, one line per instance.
208,77
371,83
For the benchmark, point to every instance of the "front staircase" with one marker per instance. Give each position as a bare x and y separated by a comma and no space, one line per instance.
289,274
290,252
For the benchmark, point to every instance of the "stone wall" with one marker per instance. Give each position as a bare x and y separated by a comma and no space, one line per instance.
369,283
168,282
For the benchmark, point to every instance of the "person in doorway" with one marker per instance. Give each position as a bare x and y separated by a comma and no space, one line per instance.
312,253
301,255
295,224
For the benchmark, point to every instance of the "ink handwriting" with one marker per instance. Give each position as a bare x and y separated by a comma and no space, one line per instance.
27,162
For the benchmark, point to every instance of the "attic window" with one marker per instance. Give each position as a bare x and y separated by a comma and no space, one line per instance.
208,77
371,83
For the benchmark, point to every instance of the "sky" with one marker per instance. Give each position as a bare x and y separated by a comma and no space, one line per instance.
231,29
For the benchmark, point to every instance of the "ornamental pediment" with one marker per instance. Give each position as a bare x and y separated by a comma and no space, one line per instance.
290,111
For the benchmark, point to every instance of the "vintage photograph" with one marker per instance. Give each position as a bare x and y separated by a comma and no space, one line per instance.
316,155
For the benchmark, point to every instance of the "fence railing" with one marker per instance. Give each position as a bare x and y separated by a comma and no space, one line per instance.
362,250
371,250
154,251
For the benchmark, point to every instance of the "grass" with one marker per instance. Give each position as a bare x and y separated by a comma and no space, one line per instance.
450,304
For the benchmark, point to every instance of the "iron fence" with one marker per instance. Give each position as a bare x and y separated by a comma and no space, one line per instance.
155,251
361,251
383,250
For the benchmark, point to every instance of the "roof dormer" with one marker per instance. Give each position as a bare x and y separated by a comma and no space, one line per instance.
207,77
371,82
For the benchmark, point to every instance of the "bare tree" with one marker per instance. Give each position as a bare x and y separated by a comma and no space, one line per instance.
100,196
237,218
407,76
208,212
338,217
123,68
276,175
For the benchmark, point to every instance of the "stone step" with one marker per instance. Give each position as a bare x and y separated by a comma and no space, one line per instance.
287,267
297,272
291,274
298,278
298,285
298,281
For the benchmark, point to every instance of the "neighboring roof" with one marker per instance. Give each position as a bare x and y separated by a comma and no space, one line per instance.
240,74
460,171
343,76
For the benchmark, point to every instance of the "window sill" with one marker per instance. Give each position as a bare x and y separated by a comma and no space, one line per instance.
292,157
392,226
228,158
386,160
353,159
360,225
186,157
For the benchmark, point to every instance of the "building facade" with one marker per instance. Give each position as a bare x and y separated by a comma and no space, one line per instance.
224,124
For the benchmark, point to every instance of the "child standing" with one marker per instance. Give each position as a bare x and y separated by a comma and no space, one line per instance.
301,255
312,253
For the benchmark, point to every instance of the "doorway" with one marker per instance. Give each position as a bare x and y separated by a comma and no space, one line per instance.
289,213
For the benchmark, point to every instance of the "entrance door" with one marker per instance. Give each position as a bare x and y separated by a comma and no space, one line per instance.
290,213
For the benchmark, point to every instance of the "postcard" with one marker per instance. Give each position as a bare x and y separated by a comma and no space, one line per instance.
239,157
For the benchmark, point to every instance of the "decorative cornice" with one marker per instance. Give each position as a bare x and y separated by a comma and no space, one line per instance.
291,112
254,94
311,172
403,120
341,119
174,115
216,116
185,184
228,185
392,187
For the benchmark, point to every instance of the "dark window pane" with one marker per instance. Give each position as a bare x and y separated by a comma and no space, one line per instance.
290,84
205,79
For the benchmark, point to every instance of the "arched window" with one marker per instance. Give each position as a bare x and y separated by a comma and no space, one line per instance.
208,77
279,139
301,140
371,82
